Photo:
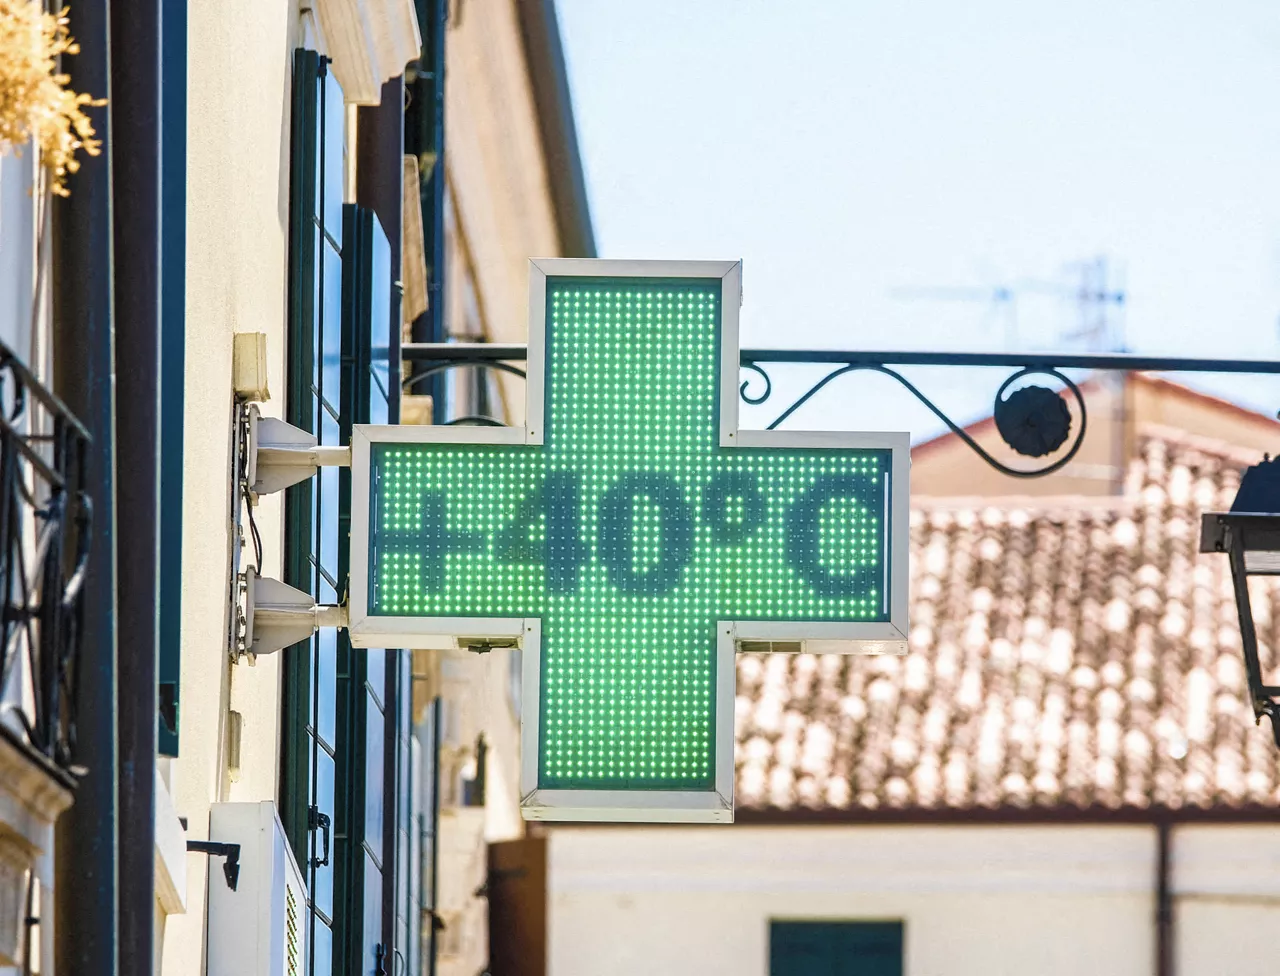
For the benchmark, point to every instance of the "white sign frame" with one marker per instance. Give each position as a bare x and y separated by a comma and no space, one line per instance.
665,806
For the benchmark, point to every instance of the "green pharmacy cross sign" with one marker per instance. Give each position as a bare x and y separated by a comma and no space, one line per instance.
631,538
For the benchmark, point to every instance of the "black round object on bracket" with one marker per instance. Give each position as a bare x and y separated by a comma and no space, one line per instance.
1033,420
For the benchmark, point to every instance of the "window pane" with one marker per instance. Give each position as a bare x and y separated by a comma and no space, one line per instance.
835,948
375,673
329,431
330,351
327,548
317,200
326,680
317,306
335,146
380,292
378,410
313,512
372,915
374,790
321,949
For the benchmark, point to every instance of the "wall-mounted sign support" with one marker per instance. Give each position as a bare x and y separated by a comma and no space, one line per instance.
631,537
229,852
281,454
277,615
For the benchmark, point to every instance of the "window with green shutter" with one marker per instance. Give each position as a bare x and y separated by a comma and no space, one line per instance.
314,396
835,948
366,826
351,798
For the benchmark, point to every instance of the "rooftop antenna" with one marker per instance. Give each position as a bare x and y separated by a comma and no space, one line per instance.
1099,297
1099,302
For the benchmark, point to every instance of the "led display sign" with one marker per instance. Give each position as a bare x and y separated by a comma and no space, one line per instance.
631,537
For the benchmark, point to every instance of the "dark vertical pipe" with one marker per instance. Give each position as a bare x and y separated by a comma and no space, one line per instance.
86,899
434,814
1164,900
424,127
173,287
435,287
379,187
136,117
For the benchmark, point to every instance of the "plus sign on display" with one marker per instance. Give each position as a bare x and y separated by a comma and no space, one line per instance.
631,538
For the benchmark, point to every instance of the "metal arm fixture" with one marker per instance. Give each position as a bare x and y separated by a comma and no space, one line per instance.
277,615
271,615
280,454
1033,420
230,867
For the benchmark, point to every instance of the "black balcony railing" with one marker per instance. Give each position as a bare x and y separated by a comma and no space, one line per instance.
44,541
1034,421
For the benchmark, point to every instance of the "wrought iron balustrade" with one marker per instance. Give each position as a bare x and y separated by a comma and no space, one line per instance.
44,541
1032,420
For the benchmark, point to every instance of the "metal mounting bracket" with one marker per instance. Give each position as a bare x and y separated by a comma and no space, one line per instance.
278,615
281,454
230,867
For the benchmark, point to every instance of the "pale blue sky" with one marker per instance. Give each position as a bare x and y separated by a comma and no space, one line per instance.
847,149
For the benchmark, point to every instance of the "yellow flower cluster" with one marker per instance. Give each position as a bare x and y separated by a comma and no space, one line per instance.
35,102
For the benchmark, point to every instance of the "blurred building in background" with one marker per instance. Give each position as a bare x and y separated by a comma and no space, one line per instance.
1063,775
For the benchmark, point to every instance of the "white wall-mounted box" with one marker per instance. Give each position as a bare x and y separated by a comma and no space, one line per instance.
258,929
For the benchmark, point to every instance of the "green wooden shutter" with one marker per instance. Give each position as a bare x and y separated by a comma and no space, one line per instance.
831,948
369,762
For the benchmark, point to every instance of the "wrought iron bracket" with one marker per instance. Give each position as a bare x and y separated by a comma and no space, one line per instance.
1034,421
231,853
1058,434
280,455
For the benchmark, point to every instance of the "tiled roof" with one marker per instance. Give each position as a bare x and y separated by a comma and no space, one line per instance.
1061,655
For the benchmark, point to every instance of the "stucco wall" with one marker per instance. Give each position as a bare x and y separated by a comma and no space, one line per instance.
975,900
1228,900
238,212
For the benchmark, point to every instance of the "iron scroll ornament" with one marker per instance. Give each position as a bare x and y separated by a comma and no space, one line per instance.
1027,420
432,358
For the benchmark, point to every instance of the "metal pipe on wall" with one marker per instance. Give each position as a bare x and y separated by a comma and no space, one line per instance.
136,154
1164,899
424,138
86,860
379,187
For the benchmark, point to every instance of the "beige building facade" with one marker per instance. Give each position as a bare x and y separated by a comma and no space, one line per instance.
383,776
460,710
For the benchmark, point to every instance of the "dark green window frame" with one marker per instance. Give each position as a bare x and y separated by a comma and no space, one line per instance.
309,737
345,780
836,948
366,828
173,325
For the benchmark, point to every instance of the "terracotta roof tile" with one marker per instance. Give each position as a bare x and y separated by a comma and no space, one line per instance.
1070,655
